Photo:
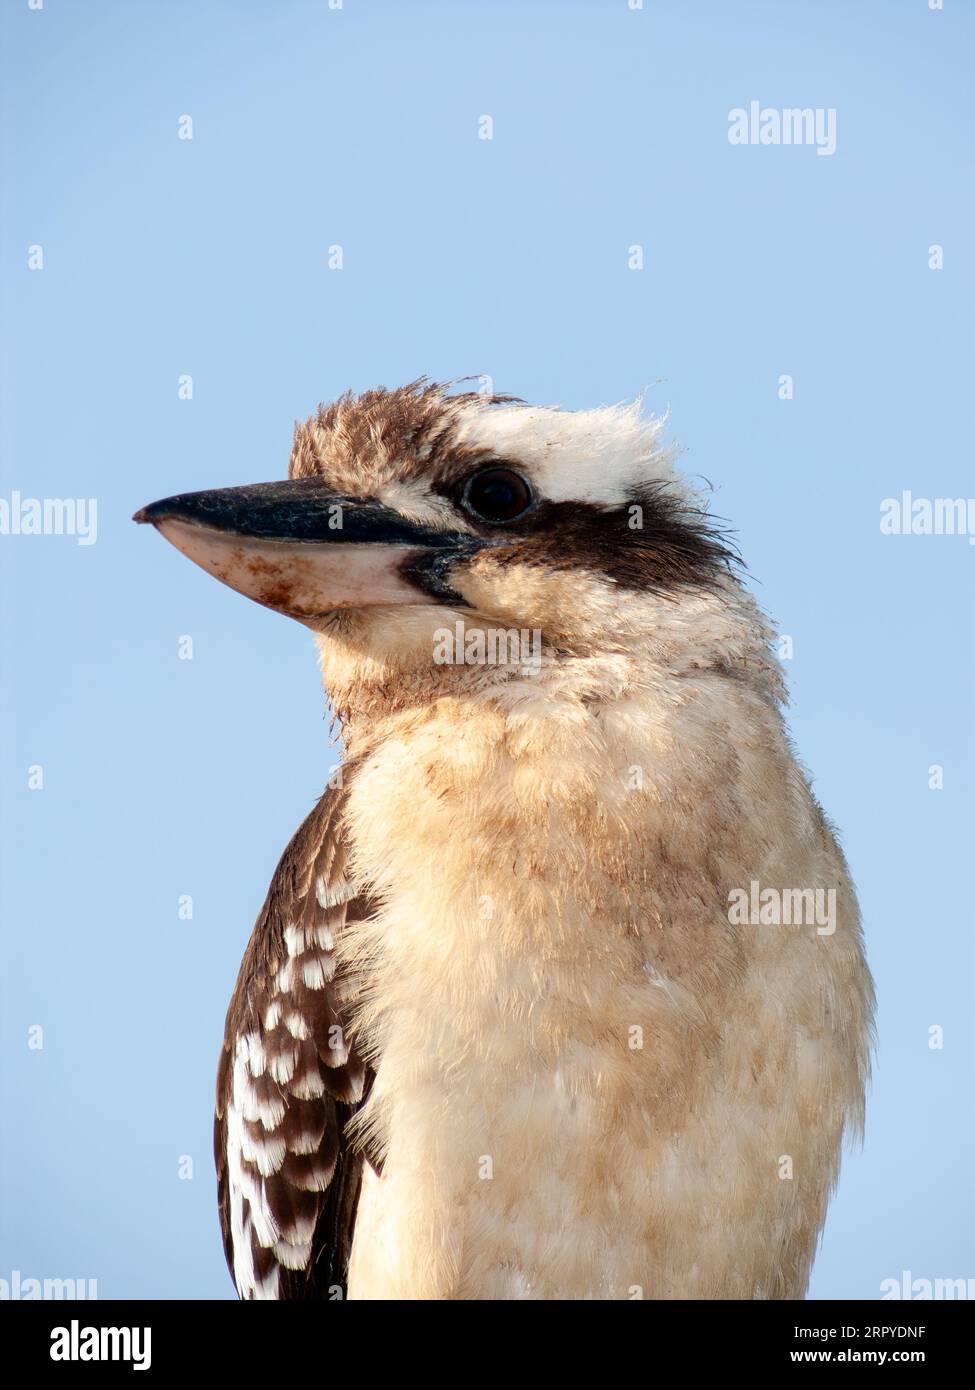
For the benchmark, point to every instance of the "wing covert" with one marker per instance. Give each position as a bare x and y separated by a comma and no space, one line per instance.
289,1080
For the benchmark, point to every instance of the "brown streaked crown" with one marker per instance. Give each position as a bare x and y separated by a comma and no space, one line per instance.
383,434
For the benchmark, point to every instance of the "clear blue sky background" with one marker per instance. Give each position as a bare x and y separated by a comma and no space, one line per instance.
163,256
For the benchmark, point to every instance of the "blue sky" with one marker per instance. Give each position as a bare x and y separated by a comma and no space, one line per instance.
209,257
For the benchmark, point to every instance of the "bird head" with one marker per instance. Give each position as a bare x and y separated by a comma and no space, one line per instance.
409,511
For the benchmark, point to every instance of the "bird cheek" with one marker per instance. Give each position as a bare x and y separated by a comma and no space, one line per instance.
517,593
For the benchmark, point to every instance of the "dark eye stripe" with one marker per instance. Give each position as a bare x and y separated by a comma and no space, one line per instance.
496,495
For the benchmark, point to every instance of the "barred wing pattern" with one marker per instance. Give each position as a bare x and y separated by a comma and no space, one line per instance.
289,1081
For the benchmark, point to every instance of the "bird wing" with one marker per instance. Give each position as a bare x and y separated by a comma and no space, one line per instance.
290,1080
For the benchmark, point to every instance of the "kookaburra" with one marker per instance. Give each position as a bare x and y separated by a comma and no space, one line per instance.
545,1000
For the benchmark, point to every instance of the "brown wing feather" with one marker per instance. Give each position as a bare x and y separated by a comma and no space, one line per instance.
290,1079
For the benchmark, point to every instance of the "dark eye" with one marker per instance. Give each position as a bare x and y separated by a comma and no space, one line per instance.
496,495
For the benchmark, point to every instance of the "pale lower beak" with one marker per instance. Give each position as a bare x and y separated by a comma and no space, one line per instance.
301,550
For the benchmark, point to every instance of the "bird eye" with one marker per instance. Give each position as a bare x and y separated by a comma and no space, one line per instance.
496,495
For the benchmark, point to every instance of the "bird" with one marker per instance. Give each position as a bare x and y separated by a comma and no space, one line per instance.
559,992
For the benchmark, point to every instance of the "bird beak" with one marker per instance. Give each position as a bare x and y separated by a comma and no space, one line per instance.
298,548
